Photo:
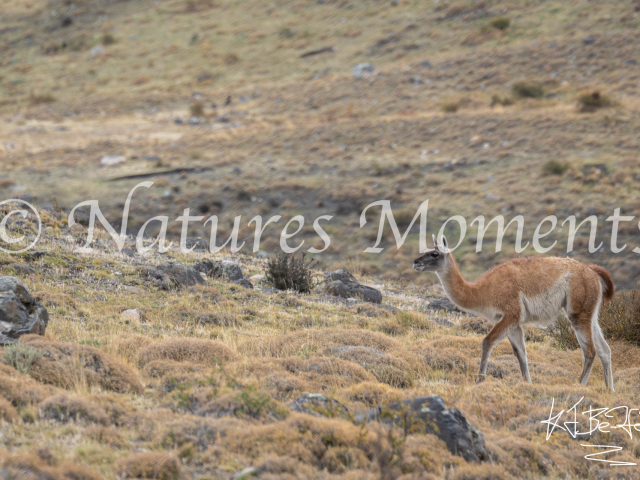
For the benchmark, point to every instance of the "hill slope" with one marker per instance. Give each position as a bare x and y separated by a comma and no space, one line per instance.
196,382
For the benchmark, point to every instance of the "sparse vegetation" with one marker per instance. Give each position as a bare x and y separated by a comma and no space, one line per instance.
500,23
196,109
592,101
108,39
498,100
554,167
527,89
21,357
40,98
287,271
619,320
201,384
450,107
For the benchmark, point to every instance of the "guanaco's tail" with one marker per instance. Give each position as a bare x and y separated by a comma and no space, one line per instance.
609,288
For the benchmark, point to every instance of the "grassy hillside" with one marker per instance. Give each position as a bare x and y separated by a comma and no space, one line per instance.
445,115
197,385
245,108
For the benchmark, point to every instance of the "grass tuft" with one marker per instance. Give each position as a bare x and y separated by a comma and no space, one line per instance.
290,272
554,167
592,101
527,89
500,23
21,357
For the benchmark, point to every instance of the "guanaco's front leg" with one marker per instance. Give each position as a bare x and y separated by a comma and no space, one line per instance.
497,333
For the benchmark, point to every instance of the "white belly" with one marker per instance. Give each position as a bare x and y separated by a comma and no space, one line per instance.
542,310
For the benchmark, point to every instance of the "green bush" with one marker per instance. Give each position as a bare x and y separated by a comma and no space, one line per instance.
619,320
554,167
501,23
108,39
287,271
526,89
21,357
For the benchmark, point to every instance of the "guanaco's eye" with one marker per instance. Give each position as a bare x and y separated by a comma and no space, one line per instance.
434,254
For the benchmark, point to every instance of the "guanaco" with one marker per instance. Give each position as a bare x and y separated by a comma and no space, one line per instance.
529,291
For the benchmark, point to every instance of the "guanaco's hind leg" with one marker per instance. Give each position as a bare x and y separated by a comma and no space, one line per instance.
604,353
516,337
581,324
497,333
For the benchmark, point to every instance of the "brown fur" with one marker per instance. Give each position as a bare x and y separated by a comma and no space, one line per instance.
609,287
529,290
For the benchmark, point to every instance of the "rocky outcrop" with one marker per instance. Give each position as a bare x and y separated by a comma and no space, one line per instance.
223,269
20,314
342,284
429,415
172,275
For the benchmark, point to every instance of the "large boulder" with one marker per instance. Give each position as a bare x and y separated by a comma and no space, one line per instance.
429,415
20,314
342,284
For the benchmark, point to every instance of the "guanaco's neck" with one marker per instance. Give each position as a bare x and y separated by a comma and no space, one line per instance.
457,288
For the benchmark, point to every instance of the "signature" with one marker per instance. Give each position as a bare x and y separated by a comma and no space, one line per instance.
602,419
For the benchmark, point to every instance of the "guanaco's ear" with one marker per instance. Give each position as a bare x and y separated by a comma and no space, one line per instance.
443,245
435,242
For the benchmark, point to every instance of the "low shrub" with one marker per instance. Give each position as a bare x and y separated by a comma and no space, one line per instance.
63,408
592,101
619,320
500,23
287,271
108,39
195,350
158,466
450,107
196,109
21,357
498,100
527,89
554,167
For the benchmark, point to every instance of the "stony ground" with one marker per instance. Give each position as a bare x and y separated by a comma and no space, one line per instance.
197,382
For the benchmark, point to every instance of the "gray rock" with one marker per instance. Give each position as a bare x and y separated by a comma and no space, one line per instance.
128,251
220,269
442,303
318,405
13,284
22,269
20,314
198,244
342,284
363,70
429,415
172,275
243,282
590,40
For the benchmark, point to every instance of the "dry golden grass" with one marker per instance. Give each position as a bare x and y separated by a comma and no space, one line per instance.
79,366
303,137
192,350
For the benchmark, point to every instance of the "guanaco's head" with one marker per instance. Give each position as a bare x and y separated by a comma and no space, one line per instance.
433,260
